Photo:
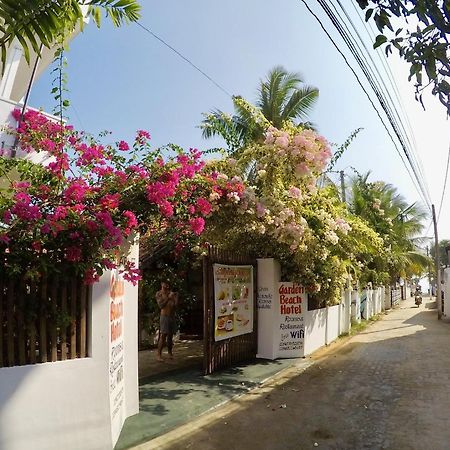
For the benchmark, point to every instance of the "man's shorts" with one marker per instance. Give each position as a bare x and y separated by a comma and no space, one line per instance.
167,325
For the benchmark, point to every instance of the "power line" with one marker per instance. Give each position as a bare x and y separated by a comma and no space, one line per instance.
184,58
445,184
387,70
418,187
363,63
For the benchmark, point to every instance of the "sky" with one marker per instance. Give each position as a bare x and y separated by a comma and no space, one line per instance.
124,79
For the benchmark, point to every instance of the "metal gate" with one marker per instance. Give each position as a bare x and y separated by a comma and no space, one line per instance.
228,352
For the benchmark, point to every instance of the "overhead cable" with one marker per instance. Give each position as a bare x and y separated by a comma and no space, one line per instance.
416,181
360,59
445,184
184,58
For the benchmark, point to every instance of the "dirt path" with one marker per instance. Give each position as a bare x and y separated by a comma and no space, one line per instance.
387,388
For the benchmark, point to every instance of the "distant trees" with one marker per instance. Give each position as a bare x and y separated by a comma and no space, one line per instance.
397,222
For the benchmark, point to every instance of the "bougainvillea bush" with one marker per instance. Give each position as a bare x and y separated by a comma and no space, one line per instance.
285,213
74,214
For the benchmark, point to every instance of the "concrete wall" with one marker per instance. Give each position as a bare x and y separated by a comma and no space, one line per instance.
356,306
65,404
333,323
315,329
346,312
322,326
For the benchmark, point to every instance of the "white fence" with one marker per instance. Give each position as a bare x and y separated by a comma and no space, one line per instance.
323,326
315,328
67,404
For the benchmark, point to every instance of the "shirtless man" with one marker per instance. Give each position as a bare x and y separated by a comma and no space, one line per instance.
167,301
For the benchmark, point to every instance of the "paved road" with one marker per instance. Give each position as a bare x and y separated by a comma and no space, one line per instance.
387,388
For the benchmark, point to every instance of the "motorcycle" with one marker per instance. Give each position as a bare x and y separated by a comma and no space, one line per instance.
418,300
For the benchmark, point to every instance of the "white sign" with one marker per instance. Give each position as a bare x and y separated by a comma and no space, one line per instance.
233,301
116,355
292,299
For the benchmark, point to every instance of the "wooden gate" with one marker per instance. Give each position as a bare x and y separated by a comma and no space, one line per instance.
228,352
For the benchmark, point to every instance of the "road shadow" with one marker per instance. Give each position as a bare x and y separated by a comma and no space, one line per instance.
385,393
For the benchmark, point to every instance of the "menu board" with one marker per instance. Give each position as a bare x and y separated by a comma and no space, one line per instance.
116,355
234,302
291,326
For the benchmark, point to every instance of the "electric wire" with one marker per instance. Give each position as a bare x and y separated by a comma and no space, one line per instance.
184,58
387,70
374,71
445,185
416,179
384,104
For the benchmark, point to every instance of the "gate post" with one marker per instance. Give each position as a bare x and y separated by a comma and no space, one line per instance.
269,275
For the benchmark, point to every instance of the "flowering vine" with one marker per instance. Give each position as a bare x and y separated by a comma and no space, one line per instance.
74,214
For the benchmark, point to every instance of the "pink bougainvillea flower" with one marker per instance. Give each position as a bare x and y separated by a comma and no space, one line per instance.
7,216
144,134
90,276
123,146
132,275
165,208
203,206
110,201
36,246
295,192
197,225
282,141
302,169
73,254
76,191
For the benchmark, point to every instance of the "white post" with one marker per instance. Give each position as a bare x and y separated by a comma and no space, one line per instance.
269,275
356,306
348,306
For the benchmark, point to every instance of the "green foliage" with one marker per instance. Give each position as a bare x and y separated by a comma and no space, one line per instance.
36,22
342,148
397,224
443,257
422,40
281,98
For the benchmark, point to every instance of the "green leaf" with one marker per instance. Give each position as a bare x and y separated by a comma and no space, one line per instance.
369,13
380,39
363,4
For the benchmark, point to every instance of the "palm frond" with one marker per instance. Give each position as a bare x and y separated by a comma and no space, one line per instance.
36,22
300,103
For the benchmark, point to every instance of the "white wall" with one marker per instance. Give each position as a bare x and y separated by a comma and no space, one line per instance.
333,322
356,306
446,289
65,404
131,341
315,329
345,313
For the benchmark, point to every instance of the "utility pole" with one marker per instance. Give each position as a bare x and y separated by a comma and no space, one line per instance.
438,266
344,198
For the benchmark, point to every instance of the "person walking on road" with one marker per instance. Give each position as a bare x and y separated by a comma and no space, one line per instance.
167,301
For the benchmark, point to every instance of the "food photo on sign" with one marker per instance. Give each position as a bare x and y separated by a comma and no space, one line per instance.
233,295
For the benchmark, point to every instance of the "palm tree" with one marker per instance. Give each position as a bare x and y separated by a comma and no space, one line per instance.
36,22
396,221
281,98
